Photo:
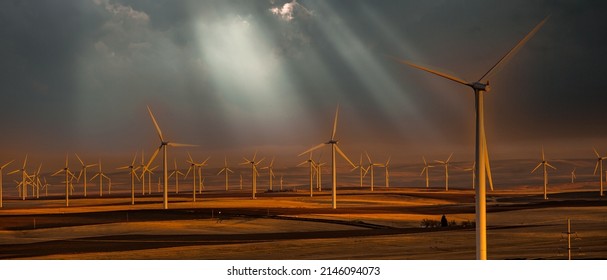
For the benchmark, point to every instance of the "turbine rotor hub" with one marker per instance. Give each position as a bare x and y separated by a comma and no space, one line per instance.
481,87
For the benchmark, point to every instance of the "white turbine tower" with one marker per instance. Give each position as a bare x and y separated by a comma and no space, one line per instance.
599,164
2,168
226,170
163,146
334,148
446,164
545,164
426,169
83,171
132,170
68,174
254,172
482,156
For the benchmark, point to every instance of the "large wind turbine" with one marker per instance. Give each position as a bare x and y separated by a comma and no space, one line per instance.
599,163
254,172
270,168
68,173
370,167
312,166
25,176
426,169
226,170
446,164
334,148
545,164
482,156
163,147
101,175
132,170
2,168
83,171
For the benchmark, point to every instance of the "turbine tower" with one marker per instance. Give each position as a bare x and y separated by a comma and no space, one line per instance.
334,148
545,164
2,168
371,165
473,174
83,171
226,170
386,166
254,172
68,173
426,169
163,146
483,169
599,164
446,164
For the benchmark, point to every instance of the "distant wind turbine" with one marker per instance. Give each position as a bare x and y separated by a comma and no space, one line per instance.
163,146
2,168
24,178
101,175
599,163
254,172
68,174
83,171
271,175
370,167
361,169
334,148
426,169
545,164
473,174
132,170
226,170
482,155
573,177
446,164
386,166
176,173
312,167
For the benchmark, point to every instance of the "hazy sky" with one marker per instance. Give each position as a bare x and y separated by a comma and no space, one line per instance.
239,76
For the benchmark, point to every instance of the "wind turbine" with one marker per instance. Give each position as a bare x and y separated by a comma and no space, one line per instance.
2,168
200,178
45,187
334,148
545,164
83,171
599,163
68,173
193,169
132,170
240,181
319,175
163,146
312,166
143,171
176,173
36,182
280,182
473,174
361,169
25,176
387,165
270,168
446,164
226,170
573,176
101,175
254,172
482,155
426,169
370,167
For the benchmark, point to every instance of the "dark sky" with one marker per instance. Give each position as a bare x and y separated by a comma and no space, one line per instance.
239,76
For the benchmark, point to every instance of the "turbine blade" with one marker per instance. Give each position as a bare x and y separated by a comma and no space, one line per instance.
134,158
449,158
487,163
25,161
538,166
344,155
156,124
425,162
368,157
335,123
446,76
312,149
79,159
6,164
543,156
181,145
596,153
94,176
423,170
550,165
595,167
304,162
147,166
514,50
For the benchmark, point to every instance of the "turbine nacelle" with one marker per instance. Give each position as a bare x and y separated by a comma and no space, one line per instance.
478,86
